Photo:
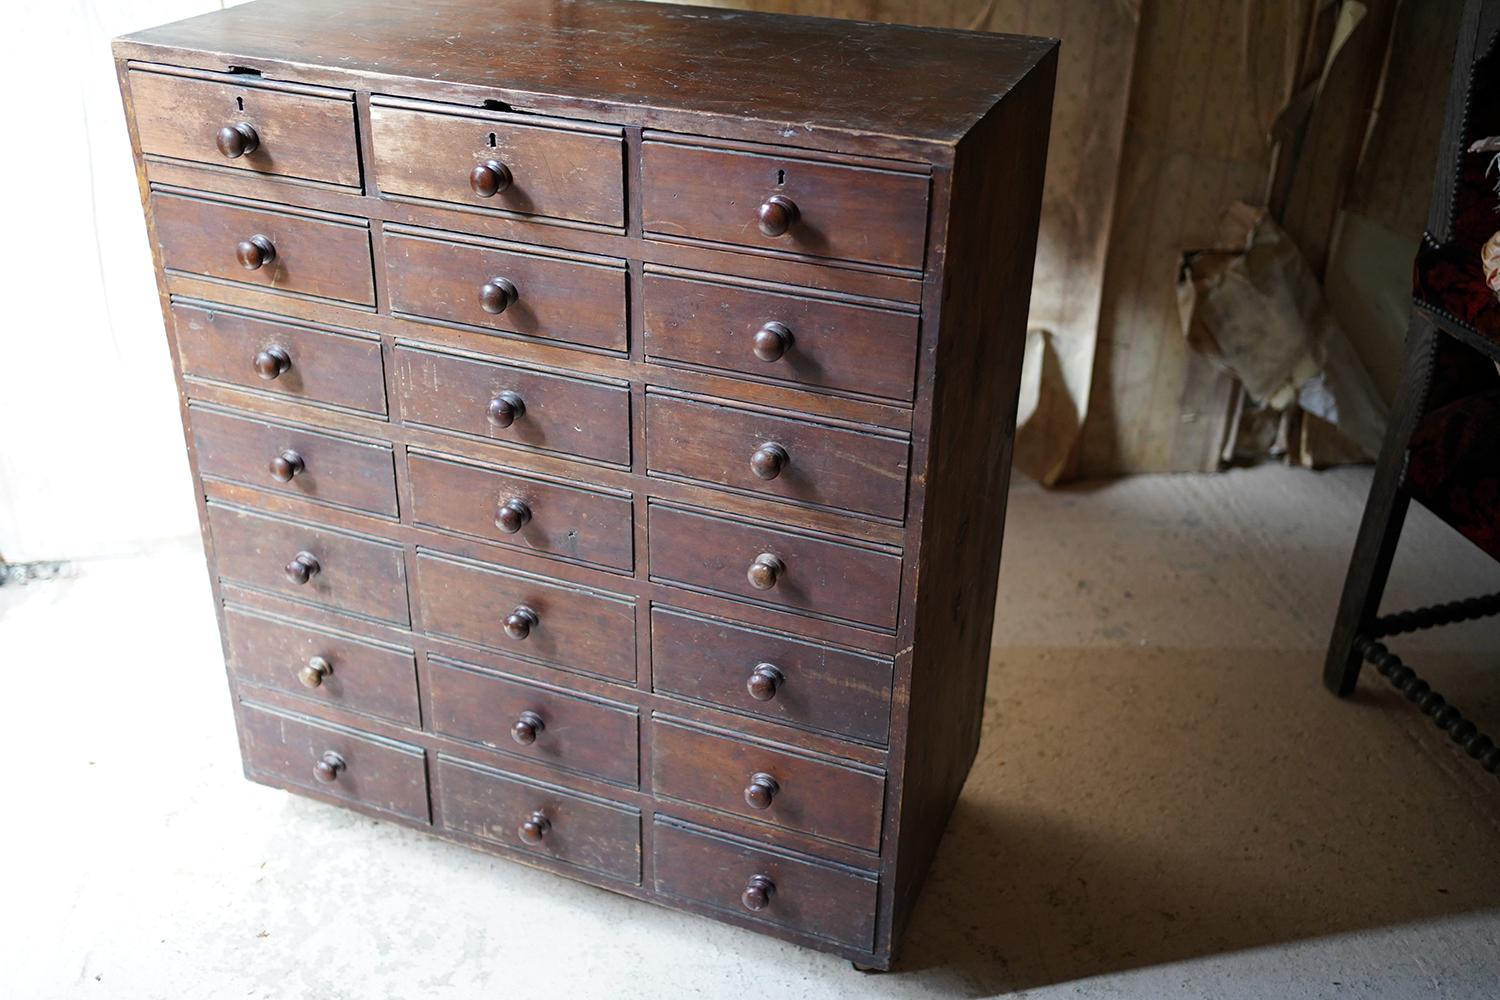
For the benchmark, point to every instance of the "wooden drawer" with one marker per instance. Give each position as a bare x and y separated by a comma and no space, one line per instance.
377,772
570,299
819,796
548,168
322,255
771,676
307,363
782,337
354,572
360,675
535,721
558,413
791,459
818,574
298,461
523,511
573,828
578,629
298,131
795,891
850,213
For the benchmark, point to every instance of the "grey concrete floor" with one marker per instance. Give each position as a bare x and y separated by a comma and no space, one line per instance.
1165,801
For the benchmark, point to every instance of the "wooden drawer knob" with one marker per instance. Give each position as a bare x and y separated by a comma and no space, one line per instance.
768,460
286,466
272,362
505,409
255,253
777,214
328,767
489,178
314,672
303,567
520,622
761,790
238,139
535,828
512,516
765,571
772,341
526,728
763,682
498,295
758,892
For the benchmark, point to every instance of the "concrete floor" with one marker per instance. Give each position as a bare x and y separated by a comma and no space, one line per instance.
1165,802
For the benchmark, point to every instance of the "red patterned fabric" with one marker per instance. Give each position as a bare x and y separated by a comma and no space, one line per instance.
1454,467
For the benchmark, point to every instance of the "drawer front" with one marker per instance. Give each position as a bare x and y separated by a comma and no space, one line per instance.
327,666
820,575
540,819
849,213
521,511
557,413
786,338
786,680
364,575
535,721
790,459
577,629
545,171
290,134
327,257
334,760
295,460
803,894
300,362
554,298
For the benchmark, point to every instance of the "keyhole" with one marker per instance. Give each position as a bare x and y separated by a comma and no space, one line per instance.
240,101
492,140
780,177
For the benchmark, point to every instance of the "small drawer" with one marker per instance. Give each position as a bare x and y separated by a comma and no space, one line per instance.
536,721
507,287
515,406
787,680
539,819
297,461
796,570
325,256
377,772
528,616
302,362
775,336
307,562
522,511
783,203
839,801
803,894
292,131
532,167
333,668
791,459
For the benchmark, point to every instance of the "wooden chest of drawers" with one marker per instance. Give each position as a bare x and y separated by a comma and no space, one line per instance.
601,416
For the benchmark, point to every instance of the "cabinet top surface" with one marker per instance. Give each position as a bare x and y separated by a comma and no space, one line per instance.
674,63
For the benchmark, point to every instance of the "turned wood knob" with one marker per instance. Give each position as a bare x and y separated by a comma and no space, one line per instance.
512,516
328,767
238,139
758,892
771,341
763,681
765,571
303,567
520,622
489,178
497,295
505,408
768,460
761,790
526,728
272,362
255,253
312,674
535,827
777,214
286,466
